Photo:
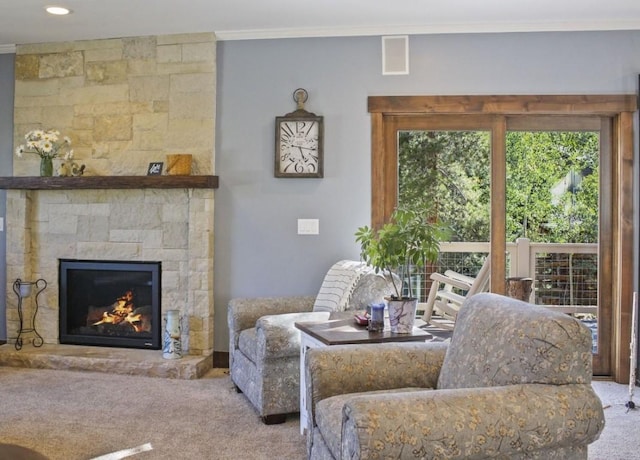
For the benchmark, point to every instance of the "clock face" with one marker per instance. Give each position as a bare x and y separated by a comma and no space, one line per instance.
298,148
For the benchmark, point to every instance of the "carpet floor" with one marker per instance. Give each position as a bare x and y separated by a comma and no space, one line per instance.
620,439
68,415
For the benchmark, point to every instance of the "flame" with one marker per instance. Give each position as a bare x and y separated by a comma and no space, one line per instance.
133,319
122,312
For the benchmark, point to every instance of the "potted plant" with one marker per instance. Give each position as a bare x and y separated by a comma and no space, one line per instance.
407,241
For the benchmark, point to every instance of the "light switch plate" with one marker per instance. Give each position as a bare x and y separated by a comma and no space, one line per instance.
308,226
1,224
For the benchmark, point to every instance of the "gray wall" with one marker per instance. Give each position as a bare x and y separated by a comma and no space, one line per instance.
6,162
257,250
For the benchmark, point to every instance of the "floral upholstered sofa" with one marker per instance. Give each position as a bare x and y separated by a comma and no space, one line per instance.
513,383
264,345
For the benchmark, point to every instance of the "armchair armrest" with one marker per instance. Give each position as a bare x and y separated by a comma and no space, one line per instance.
277,335
345,369
503,422
244,312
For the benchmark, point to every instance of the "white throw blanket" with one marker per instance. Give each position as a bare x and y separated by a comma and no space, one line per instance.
338,285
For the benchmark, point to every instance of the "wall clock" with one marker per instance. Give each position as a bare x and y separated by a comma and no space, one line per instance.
299,141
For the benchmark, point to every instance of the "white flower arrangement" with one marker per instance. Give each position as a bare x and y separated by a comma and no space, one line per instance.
46,144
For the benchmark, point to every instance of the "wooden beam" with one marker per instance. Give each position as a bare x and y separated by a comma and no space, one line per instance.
624,284
107,182
506,105
378,197
498,237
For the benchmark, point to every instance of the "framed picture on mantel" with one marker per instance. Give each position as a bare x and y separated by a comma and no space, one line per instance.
155,169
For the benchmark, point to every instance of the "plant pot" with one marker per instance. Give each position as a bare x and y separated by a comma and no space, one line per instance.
25,288
402,315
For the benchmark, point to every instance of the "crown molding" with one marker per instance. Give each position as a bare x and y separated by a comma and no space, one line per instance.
406,29
7,49
452,28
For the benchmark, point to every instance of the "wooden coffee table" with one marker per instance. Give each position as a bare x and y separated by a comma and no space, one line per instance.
342,332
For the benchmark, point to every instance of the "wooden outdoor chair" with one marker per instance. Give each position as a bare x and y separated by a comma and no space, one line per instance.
443,303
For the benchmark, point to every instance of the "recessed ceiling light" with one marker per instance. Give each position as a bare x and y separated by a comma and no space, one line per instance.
58,10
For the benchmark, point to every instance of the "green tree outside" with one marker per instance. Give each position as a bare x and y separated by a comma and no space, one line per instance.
552,183
449,171
552,186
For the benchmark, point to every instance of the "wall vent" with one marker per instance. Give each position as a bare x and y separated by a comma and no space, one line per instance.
395,55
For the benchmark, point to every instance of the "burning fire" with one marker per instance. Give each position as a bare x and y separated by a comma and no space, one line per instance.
122,312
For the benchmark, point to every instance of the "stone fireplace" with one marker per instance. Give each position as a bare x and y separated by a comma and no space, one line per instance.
173,227
124,103
110,302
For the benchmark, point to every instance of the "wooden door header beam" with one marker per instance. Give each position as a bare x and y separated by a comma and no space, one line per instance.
609,104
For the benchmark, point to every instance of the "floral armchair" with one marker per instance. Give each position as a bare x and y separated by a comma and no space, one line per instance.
264,345
513,383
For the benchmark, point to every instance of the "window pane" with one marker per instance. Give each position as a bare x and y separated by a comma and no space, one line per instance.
552,200
449,171
552,186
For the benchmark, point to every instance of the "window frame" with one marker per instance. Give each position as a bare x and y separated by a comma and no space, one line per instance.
499,114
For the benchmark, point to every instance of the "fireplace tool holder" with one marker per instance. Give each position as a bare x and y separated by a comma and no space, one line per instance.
23,290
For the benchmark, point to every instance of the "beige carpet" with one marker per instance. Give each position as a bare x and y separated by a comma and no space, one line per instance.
68,415
620,439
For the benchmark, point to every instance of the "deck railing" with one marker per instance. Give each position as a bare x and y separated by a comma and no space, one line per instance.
564,274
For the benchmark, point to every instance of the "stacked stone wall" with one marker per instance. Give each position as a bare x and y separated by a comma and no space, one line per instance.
171,226
124,103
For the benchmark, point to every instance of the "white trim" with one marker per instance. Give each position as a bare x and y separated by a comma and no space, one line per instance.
7,49
259,34
421,29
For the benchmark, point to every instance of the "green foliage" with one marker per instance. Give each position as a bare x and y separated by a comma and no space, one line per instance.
408,240
450,171
552,183
552,186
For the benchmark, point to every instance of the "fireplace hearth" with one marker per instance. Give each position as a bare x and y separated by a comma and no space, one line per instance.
110,303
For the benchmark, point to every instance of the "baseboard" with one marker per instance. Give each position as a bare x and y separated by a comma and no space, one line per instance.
220,359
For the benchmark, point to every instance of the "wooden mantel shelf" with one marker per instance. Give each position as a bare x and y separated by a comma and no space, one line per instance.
107,182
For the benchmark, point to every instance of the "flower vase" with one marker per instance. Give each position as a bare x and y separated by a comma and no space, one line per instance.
46,167
172,346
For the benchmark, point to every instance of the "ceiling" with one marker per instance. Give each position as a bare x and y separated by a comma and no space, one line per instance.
25,21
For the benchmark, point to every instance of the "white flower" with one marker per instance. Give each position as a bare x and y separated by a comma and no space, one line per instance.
50,136
36,134
69,155
46,144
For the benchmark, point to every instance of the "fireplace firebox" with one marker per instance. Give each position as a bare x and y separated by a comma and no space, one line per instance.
110,303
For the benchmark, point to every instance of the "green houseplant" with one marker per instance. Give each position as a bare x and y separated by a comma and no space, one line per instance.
407,241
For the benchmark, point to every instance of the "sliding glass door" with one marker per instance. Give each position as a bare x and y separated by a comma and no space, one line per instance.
542,203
